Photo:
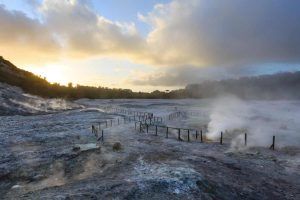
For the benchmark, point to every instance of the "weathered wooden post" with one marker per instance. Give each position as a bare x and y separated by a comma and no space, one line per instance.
188,135
156,130
273,143
167,133
221,139
245,139
147,127
140,126
179,134
102,135
201,138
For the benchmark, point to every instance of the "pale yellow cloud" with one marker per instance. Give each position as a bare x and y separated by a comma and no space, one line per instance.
67,29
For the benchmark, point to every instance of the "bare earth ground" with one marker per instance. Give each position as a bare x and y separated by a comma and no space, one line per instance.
38,160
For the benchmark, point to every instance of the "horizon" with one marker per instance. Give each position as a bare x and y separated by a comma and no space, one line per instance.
153,45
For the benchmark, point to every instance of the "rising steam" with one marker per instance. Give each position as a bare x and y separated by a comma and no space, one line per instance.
259,119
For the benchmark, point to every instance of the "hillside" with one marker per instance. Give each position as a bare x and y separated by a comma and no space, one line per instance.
276,86
27,81
32,84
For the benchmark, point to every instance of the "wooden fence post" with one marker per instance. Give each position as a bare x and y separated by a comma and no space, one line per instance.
179,134
167,132
156,130
273,143
140,126
221,139
245,139
201,138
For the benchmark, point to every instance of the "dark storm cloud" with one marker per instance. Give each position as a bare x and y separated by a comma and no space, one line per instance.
229,32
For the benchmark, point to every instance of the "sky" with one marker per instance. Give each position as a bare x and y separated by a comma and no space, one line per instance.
150,45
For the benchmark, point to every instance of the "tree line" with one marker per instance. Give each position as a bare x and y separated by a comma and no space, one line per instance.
33,84
276,86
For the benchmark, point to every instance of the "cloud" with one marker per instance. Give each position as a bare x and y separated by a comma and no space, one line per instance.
205,33
179,76
194,33
20,33
66,28
82,30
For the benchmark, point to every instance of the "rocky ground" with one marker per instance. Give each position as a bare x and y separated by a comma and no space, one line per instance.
55,156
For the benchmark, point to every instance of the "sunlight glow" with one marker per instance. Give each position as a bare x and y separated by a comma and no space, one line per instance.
52,73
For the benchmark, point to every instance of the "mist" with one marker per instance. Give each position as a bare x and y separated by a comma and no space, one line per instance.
261,120
13,101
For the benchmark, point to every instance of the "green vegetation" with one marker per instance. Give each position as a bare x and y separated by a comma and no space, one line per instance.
276,86
36,85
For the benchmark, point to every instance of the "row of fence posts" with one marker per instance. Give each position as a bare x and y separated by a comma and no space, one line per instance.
108,123
130,112
149,119
193,113
188,133
174,115
182,113
96,132
167,130
138,115
145,115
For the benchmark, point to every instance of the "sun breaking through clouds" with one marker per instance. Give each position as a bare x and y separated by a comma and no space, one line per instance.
185,41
